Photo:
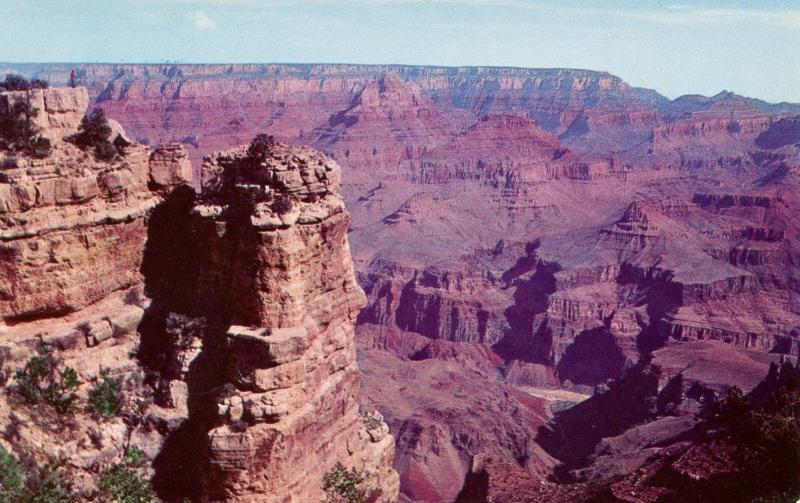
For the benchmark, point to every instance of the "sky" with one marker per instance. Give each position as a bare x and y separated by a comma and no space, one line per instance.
703,47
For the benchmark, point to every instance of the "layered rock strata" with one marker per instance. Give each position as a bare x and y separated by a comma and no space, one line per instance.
230,324
60,110
280,228
73,237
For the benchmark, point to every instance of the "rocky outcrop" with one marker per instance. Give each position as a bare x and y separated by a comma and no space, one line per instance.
289,290
73,237
440,434
169,164
73,229
60,110
390,121
239,309
503,151
450,305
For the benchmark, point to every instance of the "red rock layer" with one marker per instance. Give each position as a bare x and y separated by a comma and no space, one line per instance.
293,300
665,223
73,235
72,229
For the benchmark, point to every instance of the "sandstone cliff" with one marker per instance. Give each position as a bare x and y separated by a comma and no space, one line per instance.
548,228
280,228
73,238
229,322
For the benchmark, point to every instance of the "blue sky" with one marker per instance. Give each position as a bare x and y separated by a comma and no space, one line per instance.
752,48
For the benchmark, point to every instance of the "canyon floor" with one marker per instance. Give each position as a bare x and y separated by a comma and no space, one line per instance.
564,273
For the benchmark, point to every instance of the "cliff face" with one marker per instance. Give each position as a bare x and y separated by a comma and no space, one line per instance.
230,322
73,234
291,295
73,229
341,108
60,110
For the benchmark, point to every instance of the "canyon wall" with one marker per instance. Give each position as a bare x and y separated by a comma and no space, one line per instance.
280,228
74,237
228,317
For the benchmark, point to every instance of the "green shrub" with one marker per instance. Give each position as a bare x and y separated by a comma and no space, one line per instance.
17,130
15,82
49,489
93,133
18,485
134,456
343,486
13,479
122,483
260,148
44,380
105,396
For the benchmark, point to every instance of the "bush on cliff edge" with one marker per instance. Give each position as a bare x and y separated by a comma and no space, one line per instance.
343,486
93,133
260,148
18,132
15,82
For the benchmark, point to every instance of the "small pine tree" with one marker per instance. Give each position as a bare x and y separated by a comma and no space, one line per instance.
15,82
343,486
44,380
260,148
93,132
105,396
18,132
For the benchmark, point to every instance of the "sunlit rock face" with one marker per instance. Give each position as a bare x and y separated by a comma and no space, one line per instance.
73,240
73,228
238,305
280,229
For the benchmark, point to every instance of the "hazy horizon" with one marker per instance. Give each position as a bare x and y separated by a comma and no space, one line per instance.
673,48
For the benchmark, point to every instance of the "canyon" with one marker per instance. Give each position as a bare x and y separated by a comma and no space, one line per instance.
540,249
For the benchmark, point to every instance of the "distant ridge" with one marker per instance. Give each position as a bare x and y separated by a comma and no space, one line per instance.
58,74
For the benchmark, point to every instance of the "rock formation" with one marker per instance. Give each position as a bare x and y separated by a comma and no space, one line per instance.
230,321
73,239
60,110
280,229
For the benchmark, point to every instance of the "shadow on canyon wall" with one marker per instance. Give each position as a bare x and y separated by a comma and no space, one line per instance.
531,295
171,268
